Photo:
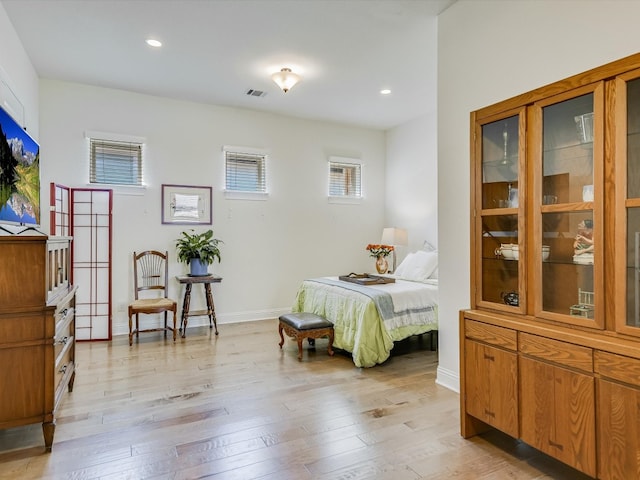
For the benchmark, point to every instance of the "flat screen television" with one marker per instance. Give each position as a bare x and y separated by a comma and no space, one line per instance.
19,174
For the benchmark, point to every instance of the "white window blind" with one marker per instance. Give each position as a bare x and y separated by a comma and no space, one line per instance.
245,172
345,179
115,162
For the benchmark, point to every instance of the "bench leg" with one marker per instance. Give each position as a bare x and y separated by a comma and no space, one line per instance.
299,339
330,348
281,336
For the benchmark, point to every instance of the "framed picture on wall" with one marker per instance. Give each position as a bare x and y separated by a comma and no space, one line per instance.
186,205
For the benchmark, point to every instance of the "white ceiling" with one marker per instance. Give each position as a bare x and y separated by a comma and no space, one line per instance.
215,50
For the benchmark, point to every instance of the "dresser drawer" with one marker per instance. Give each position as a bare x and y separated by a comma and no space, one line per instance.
64,368
64,330
554,351
617,367
491,334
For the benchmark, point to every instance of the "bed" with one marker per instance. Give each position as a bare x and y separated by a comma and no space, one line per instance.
368,319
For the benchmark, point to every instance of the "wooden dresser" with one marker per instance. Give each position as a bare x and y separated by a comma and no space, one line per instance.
550,348
37,329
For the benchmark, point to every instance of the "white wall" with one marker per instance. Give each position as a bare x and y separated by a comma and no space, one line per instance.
489,51
412,181
412,166
269,246
18,72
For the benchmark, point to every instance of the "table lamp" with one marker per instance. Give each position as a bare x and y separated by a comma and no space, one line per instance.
396,237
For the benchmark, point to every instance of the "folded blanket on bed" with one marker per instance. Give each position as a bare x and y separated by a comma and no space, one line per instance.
398,305
383,301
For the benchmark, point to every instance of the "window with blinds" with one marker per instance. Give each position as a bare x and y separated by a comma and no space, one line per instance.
115,162
345,179
245,172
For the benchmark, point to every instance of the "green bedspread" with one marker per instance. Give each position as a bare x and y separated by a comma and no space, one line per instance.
358,326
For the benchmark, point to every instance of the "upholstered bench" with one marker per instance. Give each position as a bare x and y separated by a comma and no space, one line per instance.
303,325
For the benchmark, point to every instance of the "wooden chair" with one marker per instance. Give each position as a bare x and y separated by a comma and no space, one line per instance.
151,275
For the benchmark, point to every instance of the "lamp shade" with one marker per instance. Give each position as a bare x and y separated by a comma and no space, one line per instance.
285,79
394,236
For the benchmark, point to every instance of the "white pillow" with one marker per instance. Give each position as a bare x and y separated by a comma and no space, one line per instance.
401,269
418,266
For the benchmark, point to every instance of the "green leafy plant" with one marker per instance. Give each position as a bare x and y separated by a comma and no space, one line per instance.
198,245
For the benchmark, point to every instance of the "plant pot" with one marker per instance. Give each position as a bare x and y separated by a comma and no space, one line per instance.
198,269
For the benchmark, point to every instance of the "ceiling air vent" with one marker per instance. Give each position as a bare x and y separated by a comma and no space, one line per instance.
255,93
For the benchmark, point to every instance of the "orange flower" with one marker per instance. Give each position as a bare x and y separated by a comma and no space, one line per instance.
378,250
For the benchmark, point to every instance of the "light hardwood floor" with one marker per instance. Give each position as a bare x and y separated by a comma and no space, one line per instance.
237,407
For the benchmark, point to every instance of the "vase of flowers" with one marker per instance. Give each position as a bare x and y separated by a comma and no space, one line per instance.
380,252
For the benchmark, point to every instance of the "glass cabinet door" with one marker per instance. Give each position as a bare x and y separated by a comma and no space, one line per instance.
567,239
499,249
628,163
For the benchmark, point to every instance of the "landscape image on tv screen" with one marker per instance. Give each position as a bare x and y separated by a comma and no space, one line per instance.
19,174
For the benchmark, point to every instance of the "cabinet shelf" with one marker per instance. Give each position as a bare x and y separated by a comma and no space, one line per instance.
567,207
499,211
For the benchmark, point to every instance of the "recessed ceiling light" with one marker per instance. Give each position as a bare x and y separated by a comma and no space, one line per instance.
386,91
154,43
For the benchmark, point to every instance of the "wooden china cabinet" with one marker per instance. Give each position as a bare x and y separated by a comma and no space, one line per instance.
550,348
37,329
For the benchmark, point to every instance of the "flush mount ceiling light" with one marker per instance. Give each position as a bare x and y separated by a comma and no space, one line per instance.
153,42
385,91
285,79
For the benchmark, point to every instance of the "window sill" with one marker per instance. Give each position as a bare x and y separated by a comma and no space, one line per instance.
235,195
137,190
345,200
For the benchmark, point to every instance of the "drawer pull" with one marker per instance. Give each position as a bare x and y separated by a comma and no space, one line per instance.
64,313
489,357
556,445
63,341
63,369
489,413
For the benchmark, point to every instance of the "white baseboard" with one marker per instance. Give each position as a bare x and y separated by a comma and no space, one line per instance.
203,320
448,379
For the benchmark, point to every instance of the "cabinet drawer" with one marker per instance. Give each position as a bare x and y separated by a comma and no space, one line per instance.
492,335
64,330
554,351
63,369
617,367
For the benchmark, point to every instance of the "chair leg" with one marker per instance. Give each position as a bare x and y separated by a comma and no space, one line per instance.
165,324
137,327
130,329
175,320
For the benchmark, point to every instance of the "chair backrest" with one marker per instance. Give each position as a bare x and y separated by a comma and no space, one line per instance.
151,271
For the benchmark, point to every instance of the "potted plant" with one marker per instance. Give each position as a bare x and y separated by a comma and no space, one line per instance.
198,250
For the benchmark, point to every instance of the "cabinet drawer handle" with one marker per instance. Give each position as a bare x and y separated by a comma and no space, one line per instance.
556,445
64,313
491,414
489,357
63,369
63,341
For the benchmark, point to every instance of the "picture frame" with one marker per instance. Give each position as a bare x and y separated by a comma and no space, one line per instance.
186,205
